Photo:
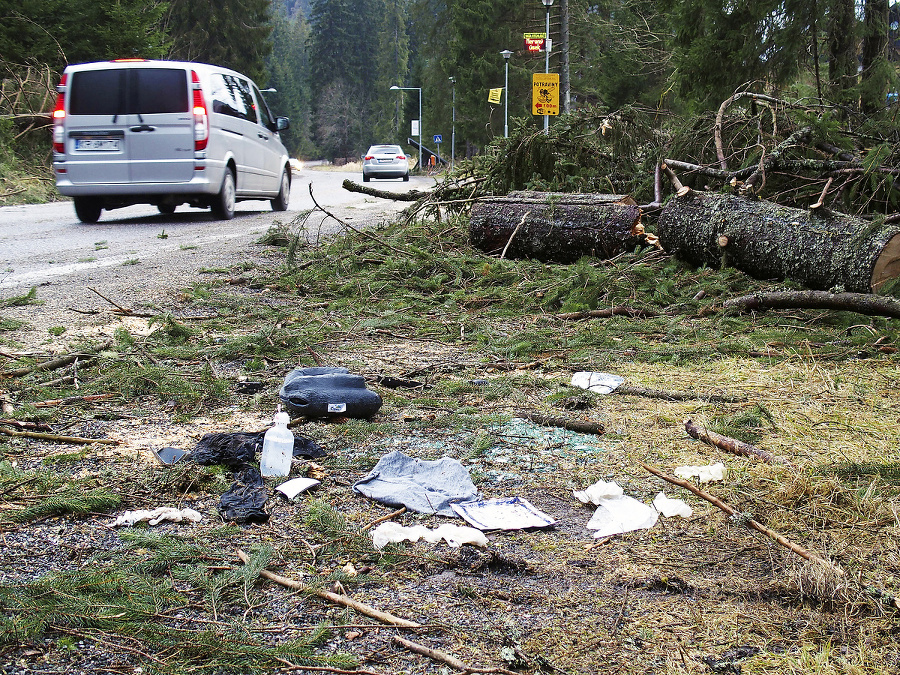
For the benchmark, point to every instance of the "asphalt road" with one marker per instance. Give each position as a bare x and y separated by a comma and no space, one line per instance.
136,258
45,244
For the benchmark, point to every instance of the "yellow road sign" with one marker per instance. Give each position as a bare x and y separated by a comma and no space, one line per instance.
494,95
545,94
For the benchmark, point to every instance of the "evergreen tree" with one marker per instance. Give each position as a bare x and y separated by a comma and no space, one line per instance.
876,73
841,39
288,66
230,33
58,32
721,45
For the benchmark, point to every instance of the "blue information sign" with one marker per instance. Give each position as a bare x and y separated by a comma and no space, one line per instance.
438,138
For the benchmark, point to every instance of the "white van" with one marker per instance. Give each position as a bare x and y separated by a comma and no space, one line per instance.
166,133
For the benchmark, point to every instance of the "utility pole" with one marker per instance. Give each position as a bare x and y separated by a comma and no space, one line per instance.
565,82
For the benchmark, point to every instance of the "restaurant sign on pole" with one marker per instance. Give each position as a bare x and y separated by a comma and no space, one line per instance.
534,42
545,94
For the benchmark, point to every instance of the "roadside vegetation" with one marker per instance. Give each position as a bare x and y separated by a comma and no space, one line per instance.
483,338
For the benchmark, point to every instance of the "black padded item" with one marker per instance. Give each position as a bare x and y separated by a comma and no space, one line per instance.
246,500
328,392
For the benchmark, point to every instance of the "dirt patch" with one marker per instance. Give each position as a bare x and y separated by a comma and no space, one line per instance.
702,594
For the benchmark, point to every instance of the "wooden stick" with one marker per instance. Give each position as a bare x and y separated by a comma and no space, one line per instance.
53,364
629,390
862,303
513,235
336,598
715,501
619,310
124,310
72,399
398,512
571,425
447,659
60,439
821,200
733,445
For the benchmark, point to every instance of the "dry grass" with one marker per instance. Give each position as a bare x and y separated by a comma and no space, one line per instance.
698,595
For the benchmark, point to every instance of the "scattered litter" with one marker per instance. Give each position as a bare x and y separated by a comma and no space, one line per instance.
328,392
704,474
602,383
244,502
237,449
598,491
509,513
295,486
169,456
617,515
158,515
454,535
419,485
672,507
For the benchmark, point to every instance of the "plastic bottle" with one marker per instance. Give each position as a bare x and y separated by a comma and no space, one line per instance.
278,448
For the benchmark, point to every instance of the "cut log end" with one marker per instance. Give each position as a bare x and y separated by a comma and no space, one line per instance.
683,191
887,266
723,240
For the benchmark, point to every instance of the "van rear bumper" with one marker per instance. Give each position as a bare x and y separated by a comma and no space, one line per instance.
203,185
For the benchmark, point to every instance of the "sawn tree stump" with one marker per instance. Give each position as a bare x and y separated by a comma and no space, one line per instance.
557,227
768,241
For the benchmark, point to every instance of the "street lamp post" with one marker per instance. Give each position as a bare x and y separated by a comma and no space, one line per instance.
453,122
547,46
506,54
418,89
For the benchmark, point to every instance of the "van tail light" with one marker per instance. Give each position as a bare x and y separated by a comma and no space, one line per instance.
401,156
370,157
201,118
59,116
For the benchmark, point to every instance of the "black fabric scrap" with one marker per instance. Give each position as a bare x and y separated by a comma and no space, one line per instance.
235,450
245,501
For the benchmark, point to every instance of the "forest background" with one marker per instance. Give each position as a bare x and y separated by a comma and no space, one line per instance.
333,62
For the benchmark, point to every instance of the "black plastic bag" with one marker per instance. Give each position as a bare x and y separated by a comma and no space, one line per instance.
328,392
238,449
245,501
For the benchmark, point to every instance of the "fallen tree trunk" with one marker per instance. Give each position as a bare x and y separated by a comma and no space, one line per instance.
411,196
862,303
556,227
768,241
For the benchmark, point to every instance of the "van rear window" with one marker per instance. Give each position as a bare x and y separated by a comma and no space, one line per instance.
129,91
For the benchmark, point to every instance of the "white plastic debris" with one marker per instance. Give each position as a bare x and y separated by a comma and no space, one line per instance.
158,515
617,515
503,513
602,383
598,491
295,486
672,507
705,474
454,535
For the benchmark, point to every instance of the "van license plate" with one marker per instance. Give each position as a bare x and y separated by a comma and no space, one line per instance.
95,144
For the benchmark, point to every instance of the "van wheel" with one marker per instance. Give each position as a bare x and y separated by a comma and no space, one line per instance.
406,177
223,204
166,209
88,209
280,203
365,178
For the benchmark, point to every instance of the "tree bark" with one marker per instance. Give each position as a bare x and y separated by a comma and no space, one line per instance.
862,303
557,227
819,249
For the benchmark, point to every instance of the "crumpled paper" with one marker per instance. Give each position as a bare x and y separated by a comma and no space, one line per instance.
598,491
454,535
672,507
704,474
158,515
602,383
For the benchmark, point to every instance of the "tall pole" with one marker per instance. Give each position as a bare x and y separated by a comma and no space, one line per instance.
421,149
565,81
547,43
506,54
453,122
418,89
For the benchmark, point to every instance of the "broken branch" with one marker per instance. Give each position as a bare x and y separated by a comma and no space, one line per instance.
732,445
563,423
619,310
739,517
336,598
411,196
53,364
61,439
447,659
863,303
